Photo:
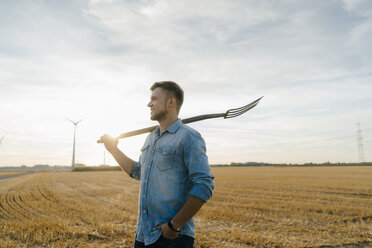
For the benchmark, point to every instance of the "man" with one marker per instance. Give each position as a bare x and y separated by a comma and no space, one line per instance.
174,172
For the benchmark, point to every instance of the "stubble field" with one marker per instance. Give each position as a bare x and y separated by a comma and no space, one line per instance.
251,207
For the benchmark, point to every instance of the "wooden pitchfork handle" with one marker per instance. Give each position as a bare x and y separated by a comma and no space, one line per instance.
231,113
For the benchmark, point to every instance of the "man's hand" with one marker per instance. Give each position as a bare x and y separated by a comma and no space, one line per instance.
111,145
166,231
109,142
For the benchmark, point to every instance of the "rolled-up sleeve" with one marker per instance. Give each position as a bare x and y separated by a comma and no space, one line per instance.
196,161
136,171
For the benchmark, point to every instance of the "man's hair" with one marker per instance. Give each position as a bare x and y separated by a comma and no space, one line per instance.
173,89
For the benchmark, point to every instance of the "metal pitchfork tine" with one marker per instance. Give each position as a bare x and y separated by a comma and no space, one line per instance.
231,113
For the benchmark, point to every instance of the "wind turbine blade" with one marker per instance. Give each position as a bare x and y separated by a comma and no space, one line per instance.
1,140
69,120
73,122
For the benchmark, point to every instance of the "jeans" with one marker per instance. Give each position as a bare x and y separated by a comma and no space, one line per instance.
183,241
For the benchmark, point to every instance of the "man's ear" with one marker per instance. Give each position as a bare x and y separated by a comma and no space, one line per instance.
172,102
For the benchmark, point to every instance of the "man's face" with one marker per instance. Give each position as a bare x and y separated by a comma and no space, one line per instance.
158,104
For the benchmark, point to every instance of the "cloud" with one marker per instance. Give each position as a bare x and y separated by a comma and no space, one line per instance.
97,59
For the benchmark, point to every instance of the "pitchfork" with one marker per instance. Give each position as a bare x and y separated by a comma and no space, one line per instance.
231,113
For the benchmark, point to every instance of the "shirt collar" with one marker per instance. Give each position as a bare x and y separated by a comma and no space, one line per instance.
174,127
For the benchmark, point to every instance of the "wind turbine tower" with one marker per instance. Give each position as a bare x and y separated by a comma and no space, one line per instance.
360,144
73,148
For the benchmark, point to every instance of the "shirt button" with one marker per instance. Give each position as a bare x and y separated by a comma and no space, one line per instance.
144,211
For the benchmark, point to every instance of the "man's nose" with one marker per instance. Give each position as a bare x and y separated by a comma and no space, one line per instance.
149,104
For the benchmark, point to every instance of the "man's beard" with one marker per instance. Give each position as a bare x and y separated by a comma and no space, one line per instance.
159,116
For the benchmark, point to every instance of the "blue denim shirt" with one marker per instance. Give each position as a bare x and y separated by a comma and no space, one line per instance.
172,167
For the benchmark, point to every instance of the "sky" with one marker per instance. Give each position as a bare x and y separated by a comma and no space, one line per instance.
96,60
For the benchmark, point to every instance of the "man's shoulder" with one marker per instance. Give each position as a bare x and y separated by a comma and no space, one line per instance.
190,138
188,131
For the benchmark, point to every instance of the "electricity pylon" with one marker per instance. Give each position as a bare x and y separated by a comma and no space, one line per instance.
360,144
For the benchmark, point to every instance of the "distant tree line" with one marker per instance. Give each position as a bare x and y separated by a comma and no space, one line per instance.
83,167
255,164
37,167
46,167
102,167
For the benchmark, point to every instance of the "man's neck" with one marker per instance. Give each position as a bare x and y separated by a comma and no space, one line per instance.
164,124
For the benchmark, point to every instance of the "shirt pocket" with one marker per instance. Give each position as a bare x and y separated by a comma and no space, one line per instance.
144,150
165,157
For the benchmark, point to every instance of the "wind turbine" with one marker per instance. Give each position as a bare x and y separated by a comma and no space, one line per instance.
73,149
